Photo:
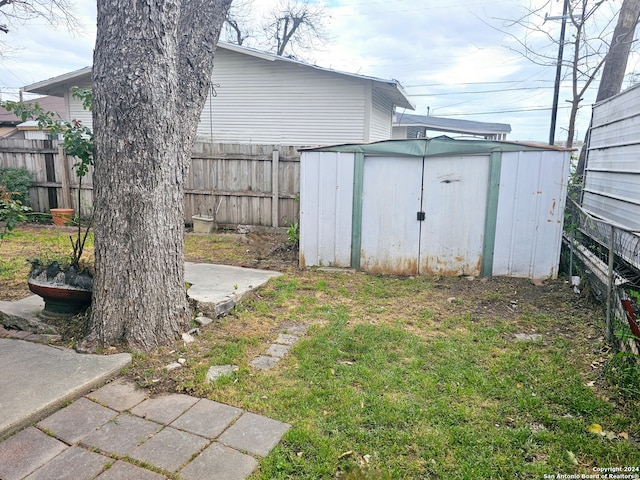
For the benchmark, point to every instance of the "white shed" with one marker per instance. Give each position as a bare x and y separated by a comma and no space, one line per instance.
434,206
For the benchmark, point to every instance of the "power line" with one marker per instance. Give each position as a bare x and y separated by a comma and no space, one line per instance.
473,93
518,110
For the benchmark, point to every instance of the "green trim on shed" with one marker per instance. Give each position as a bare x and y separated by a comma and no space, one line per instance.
491,213
356,217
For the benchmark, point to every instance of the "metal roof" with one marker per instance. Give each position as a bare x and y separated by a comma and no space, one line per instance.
432,147
450,124
59,85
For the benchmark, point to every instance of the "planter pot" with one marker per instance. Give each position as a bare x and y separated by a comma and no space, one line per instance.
203,224
61,300
61,216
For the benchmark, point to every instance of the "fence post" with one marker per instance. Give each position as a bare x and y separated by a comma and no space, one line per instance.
610,285
66,189
275,188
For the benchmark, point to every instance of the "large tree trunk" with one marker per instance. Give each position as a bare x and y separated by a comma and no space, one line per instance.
151,75
615,64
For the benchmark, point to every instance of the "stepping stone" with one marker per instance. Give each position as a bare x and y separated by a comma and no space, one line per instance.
279,351
255,434
287,339
528,337
218,371
263,362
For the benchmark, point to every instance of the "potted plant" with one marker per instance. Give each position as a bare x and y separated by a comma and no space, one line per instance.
65,289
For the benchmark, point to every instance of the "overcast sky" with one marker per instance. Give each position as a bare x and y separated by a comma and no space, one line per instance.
452,57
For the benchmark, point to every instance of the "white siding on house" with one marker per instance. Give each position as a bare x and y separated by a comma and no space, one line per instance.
381,117
281,103
76,111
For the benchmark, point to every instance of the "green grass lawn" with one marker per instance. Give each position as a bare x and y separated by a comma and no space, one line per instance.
417,378
410,378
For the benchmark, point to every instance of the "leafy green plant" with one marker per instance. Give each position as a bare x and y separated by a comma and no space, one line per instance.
17,181
293,233
12,211
77,141
623,373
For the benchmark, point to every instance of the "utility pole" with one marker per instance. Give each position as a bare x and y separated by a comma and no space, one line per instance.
556,90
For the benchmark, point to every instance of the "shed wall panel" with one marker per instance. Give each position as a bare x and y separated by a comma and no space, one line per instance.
326,208
391,197
530,214
455,197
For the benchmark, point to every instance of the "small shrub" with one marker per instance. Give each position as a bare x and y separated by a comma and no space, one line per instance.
12,211
293,233
623,373
17,181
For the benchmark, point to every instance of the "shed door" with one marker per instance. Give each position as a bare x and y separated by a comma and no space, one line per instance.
454,202
452,193
391,196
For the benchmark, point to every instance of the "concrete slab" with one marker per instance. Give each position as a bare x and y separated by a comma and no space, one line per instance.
23,315
255,434
217,289
36,379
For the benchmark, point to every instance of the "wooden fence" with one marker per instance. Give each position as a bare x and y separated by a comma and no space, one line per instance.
235,183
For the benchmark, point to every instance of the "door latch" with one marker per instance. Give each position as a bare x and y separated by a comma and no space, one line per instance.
421,216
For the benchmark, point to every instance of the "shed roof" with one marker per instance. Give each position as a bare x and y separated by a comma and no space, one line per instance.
432,147
450,124
59,85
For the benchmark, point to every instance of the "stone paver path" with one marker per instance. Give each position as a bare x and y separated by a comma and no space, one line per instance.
280,347
117,433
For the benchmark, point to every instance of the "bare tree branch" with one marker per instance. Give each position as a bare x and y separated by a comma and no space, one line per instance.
295,24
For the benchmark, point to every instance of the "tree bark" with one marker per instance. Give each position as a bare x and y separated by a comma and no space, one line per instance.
151,75
615,64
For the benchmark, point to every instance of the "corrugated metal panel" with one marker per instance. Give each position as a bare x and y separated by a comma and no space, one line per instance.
391,196
287,104
455,198
326,208
530,214
612,177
